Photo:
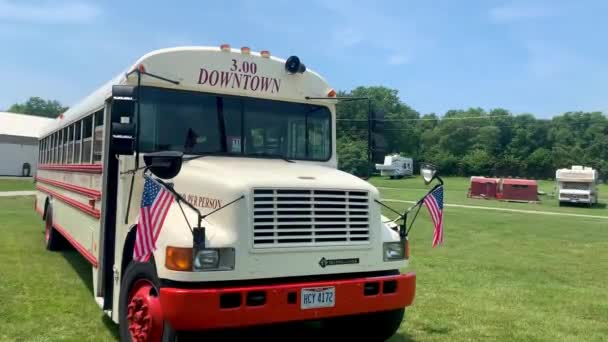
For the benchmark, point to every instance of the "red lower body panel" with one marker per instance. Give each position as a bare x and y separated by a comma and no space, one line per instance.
198,309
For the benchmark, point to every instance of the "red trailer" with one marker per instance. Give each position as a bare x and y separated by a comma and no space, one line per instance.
482,187
518,190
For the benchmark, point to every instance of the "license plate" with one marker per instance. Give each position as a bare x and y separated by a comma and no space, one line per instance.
318,297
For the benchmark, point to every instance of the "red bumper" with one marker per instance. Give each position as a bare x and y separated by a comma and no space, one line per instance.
198,309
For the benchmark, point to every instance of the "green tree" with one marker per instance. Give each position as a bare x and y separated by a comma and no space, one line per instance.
540,164
477,162
39,107
474,141
352,156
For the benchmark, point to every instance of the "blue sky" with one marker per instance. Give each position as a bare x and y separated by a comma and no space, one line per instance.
540,57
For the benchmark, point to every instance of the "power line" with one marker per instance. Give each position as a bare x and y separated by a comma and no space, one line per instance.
434,119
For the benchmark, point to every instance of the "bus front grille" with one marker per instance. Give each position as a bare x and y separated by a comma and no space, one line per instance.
310,218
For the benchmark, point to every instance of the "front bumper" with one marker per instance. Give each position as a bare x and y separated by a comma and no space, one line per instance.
199,309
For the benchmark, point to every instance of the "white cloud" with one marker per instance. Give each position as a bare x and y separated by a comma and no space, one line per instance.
397,59
550,61
360,25
50,12
346,36
515,12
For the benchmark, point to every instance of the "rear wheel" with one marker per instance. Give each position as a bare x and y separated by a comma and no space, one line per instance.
140,316
52,239
372,327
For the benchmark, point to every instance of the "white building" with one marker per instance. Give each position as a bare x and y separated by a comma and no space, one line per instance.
19,142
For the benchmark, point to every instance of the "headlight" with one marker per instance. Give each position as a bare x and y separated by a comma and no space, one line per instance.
206,259
213,259
394,250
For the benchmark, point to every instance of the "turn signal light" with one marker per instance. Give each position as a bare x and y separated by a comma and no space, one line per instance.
178,258
225,47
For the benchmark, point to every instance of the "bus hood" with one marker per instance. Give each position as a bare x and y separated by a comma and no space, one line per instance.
246,173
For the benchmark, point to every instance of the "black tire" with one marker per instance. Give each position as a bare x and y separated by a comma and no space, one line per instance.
139,271
372,327
53,240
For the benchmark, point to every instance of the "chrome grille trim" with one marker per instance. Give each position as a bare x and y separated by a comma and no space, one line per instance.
310,217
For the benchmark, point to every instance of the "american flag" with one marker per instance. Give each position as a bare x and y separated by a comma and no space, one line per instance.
434,203
155,203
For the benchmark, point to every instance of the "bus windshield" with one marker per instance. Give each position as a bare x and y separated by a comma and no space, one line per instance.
200,123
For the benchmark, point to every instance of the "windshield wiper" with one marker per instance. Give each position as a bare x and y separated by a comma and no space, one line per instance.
205,154
249,155
269,155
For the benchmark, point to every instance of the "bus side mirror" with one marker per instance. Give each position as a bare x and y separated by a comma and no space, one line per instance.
123,128
378,142
164,164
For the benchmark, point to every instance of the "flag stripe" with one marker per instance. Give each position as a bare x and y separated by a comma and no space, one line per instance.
434,203
162,217
155,204
160,213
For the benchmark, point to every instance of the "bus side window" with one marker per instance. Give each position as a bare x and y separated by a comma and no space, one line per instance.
60,147
77,141
98,138
55,149
64,157
70,154
42,151
87,139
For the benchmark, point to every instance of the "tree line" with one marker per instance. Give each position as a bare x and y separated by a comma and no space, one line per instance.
473,141
461,142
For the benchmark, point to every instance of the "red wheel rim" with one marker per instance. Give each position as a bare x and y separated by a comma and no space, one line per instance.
143,312
47,230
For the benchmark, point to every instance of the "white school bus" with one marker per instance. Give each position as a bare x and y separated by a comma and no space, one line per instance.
290,237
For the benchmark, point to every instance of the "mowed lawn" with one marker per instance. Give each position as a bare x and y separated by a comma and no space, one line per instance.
499,276
456,189
16,184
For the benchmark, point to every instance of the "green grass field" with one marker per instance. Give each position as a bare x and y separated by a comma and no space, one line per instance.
499,276
456,189
13,184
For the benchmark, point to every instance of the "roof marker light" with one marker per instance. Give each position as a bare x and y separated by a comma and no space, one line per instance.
245,50
332,93
225,47
141,68
265,53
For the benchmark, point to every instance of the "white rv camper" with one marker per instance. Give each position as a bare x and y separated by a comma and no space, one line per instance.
577,185
396,166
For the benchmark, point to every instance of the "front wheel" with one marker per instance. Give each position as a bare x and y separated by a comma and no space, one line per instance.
372,327
140,316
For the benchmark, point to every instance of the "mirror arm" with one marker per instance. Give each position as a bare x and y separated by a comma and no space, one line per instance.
198,232
389,208
440,181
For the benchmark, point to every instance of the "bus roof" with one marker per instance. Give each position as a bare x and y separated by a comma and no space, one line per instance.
210,70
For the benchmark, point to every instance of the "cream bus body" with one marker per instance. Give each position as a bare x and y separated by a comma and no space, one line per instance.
85,199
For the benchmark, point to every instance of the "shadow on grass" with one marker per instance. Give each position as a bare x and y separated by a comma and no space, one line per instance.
294,332
599,205
83,269
80,265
